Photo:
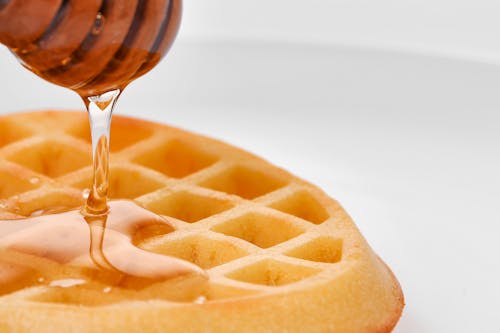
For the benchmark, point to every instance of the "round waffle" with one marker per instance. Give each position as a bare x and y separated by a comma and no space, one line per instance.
280,255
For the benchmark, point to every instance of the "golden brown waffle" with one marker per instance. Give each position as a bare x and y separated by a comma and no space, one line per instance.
281,256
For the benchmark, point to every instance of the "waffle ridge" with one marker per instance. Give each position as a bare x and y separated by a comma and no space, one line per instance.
263,235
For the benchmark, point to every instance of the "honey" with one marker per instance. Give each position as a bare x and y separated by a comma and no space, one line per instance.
66,250
96,48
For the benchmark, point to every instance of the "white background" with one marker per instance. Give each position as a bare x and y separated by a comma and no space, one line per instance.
391,106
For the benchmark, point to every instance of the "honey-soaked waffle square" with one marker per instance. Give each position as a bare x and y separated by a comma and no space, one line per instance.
14,276
78,295
44,200
15,179
180,289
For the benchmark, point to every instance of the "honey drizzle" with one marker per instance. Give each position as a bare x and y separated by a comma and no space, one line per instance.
109,44
56,247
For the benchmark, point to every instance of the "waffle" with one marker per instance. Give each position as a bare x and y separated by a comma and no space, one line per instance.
280,255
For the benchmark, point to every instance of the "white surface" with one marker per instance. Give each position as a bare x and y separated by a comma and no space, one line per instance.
467,28
407,143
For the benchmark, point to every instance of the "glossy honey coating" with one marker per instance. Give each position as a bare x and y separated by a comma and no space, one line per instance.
90,46
101,248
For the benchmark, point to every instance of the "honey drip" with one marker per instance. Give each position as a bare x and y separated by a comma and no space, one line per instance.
100,111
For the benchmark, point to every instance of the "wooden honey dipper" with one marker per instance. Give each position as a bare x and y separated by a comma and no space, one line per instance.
90,46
